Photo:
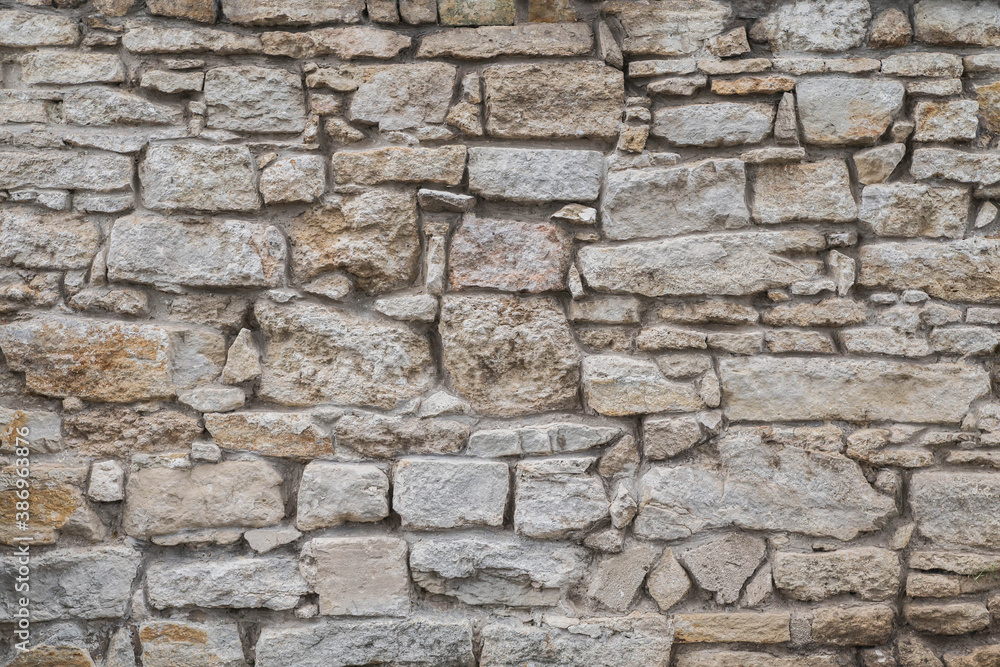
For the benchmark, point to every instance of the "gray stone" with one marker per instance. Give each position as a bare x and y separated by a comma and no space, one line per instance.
868,572
541,439
20,29
156,250
212,398
481,568
789,389
242,359
838,111
336,355
668,582
161,501
956,507
292,12
476,12
171,83
617,578
947,120
169,642
758,486
346,43
813,191
358,576
65,169
705,196
954,270
70,68
955,165
37,240
668,29
445,165
300,178
198,176
716,124
107,482
814,25
419,640
397,97
899,209
254,99
103,106
270,583
722,658
409,307
723,565
875,165
83,583
510,355
556,497
441,200
957,23
956,618
737,263
618,385
388,436
526,39
160,38
535,175
442,493
263,540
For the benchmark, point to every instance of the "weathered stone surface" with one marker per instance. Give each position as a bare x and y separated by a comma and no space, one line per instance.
753,85
41,654
760,486
438,493
292,12
156,250
555,497
618,385
118,432
955,270
333,493
358,576
335,355
838,111
509,255
889,29
869,572
254,99
476,12
758,628
102,106
510,355
949,120
20,29
37,240
70,68
158,38
269,433
160,501
372,236
540,439
553,101
535,175
65,169
957,23
955,618
668,29
668,582
956,508
444,165
194,10
173,643
197,176
271,583
979,657
84,583
720,658
539,40
640,640
398,97
814,25
762,389
955,165
489,568
617,578
875,165
385,436
868,625
899,209
420,640
301,178
723,565
128,362
811,191
716,124
347,43
737,263
706,196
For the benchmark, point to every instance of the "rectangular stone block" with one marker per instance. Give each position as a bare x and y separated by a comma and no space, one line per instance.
65,170
172,643
271,583
255,99
535,40
668,29
102,106
159,38
476,12
375,435
334,493
619,385
535,175
155,250
444,165
554,498
70,68
959,508
20,29
37,240
358,576
901,209
292,12
269,433
716,124
442,493
958,270
199,177
398,97
955,165
808,192
868,572
758,628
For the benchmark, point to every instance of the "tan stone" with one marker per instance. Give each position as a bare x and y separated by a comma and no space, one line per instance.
890,28
193,10
955,270
989,105
346,43
618,385
826,313
175,643
43,655
668,582
868,625
57,504
384,436
358,576
444,165
948,618
869,572
668,29
759,628
269,433
476,12
810,191
948,120
120,432
549,40
753,85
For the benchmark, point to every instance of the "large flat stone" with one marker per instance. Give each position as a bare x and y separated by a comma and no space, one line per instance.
65,170
36,240
959,508
21,29
960,270
903,209
957,22
103,106
347,43
358,576
810,191
619,385
870,573
70,68
199,177
170,643
758,486
432,493
814,25
254,99
397,97
840,111
318,354
402,164
791,389
955,165
701,197
735,264
292,12
535,175
159,38
375,435
333,493
527,39
269,433
716,124
668,29
240,582
554,498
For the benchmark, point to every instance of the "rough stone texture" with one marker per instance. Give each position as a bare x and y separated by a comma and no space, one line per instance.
718,124
271,583
956,23
556,39
292,12
557,496
198,176
530,176
36,240
398,97
334,493
815,191
383,436
722,566
870,573
671,29
170,643
954,270
915,210
434,493
618,385
766,628
64,169
956,508
444,165
814,25
269,433
846,112
358,576
868,625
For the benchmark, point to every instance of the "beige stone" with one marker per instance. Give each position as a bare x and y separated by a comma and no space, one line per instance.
868,625
899,209
384,436
358,576
444,165
347,43
758,628
203,11
950,120
954,618
954,270
545,40
891,28
617,385
668,582
753,85
811,191
671,29
269,433
869,572
119,432
398,97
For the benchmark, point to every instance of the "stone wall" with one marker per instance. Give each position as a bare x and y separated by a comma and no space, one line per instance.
496,332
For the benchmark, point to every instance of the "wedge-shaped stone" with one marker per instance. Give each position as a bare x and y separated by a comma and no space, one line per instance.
104,106
358,576
959,270
444,165
243,494
733,264
84,583
318,354
716,124
36,240
633,640
372,236
553,101
868,572
527,39
840,111
158,38
701,197
169,643
957,507
346,43
809,191
255,99
814,25
269,433
65,170
70,68
556,497
442,493
292,12
955,165
156,250
535,175
759,486
420,640
125,362
333,493
900,209
388,436
509,255
509,355
791,389
490,568
20,29
618,385
668,29
200,177
957,23
398,97
271,583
